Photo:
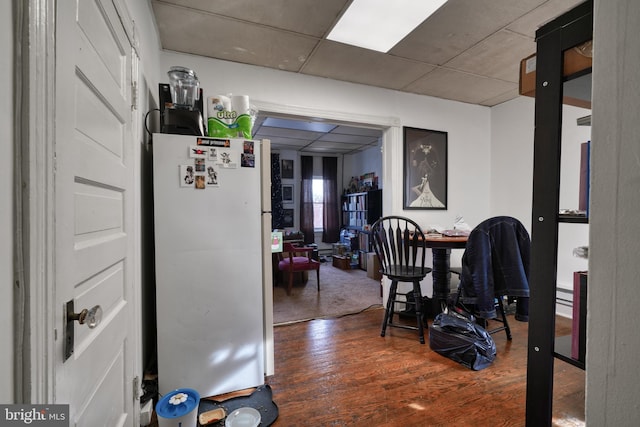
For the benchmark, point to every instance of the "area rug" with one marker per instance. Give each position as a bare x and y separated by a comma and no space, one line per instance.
342,292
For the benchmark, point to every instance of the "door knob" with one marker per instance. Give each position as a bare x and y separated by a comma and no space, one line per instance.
90,317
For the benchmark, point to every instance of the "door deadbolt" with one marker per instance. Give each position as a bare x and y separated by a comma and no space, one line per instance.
90,317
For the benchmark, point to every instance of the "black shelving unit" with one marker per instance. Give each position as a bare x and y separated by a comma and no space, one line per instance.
562,351
360,209
573,219
572,348
565,32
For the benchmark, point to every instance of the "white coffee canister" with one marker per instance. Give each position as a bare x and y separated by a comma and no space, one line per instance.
178,408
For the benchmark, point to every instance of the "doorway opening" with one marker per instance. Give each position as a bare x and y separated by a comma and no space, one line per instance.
389,132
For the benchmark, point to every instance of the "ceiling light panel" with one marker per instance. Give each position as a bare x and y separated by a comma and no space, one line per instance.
298,125
348,139
381,24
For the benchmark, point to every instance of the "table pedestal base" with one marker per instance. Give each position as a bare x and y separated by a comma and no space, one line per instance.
441,278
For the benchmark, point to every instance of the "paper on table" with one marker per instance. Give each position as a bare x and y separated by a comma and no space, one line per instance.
434,228
460,224
455,233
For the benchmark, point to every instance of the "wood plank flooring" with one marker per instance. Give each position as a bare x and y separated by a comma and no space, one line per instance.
340,372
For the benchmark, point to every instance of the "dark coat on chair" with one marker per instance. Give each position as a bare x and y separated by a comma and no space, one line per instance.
496,262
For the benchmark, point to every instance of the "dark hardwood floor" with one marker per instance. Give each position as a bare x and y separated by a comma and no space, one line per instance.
340,372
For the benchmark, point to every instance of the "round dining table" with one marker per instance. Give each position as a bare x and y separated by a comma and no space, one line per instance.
441,246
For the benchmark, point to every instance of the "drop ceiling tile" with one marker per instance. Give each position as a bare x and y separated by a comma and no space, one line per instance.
529,23
328,145
459,86
493,57
258,121
309,17
304,125
350,130
343,139
289,133
459,25
348,139
284,34
281,140
503,97
326,151
186,30
353,64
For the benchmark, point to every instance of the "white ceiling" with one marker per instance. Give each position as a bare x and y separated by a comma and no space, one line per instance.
300,135
468,51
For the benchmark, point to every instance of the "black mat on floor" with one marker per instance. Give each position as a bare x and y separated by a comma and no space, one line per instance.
261,399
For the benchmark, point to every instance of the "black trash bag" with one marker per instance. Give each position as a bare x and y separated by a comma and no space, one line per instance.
462,340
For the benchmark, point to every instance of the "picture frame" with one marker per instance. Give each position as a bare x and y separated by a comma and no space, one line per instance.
425,169
287,218
286,169
287,193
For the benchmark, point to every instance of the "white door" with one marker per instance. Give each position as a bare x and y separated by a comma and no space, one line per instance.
93,225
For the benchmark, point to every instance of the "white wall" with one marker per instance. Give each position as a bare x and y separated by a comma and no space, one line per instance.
148,41
293,155
512,127
358,164
613,341
6,208
512,159
490,150
468,125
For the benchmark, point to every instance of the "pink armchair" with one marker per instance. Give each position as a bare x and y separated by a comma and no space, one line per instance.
297,259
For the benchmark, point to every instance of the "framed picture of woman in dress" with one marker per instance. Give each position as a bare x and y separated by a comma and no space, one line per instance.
286,169
425,169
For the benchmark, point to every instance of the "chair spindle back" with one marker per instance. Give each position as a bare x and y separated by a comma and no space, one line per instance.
396,241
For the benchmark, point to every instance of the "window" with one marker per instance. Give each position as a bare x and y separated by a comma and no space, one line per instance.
317,193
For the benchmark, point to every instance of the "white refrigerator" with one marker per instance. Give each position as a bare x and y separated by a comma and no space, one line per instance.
212,222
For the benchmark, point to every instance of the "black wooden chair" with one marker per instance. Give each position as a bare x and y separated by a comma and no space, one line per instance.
398,243
495,268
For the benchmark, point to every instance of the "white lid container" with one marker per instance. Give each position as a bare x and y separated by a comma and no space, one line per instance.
178,408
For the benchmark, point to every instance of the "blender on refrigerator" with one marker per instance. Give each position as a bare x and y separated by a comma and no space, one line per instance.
181,105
